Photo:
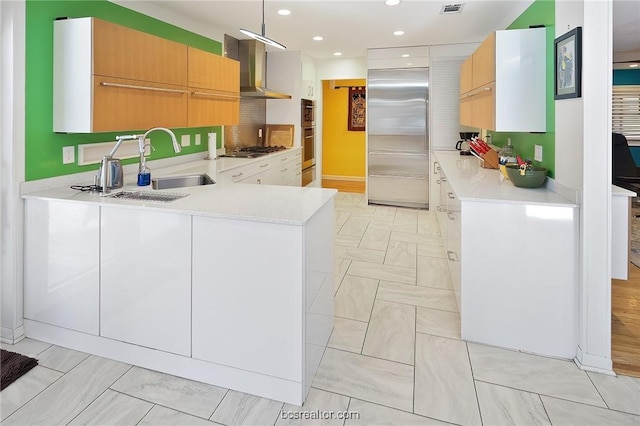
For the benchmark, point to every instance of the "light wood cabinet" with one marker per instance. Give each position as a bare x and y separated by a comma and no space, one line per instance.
503,83
126,53
214,89
483,62
110,78
121,104
466,76
214,72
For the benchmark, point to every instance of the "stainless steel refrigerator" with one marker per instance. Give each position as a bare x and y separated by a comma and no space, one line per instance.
398,137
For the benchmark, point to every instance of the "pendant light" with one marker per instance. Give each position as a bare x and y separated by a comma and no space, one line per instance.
262,37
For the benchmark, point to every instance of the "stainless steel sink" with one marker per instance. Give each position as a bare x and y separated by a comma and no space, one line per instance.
181,181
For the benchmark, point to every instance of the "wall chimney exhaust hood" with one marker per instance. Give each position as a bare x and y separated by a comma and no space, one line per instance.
253,72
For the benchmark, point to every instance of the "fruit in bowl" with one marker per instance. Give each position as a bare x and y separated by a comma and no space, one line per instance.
526,175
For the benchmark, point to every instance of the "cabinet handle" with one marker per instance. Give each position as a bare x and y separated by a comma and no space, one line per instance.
259,181
450,195
238,175
451,216
438,181
215,95
443,179
453,256
436,168
283,170
264,165
307,137
475,92
439,209
298,174
284,159
131,86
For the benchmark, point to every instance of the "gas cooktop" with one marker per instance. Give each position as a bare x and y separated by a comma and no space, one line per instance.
259,148
253,151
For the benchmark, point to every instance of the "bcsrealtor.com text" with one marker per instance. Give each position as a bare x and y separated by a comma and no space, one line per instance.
319,415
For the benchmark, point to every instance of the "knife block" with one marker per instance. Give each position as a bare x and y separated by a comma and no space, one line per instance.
490,160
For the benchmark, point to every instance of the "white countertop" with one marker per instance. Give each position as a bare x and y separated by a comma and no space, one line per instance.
474,183
288,205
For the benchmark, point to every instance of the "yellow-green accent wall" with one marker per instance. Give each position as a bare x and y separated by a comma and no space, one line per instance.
343,151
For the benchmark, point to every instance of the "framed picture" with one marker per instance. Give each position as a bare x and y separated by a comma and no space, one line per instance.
568,64
357,109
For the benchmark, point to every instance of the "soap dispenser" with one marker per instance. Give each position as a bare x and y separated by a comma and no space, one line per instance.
144,173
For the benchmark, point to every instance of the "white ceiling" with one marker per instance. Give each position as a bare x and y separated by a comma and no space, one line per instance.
353,26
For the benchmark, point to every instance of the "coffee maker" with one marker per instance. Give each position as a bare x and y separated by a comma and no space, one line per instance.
463,144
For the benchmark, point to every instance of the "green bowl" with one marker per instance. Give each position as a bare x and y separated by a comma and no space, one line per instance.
532,178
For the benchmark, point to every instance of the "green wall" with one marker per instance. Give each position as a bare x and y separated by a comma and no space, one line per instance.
43,148
541,12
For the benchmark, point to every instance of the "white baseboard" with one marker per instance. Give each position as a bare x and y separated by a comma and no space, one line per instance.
11,336
237,379
596,364
347,178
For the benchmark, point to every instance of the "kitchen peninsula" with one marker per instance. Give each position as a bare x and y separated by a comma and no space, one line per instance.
230,285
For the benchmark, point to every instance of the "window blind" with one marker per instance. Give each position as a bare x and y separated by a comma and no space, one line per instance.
625,111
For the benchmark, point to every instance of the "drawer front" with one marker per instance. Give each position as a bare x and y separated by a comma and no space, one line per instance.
399,163
398,189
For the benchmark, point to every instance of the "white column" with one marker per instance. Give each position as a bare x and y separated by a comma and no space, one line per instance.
12,95
594,351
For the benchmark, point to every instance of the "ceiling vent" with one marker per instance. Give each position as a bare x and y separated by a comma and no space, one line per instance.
448,9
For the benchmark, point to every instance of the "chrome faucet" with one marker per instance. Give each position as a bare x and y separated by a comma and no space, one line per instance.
144,176
110,172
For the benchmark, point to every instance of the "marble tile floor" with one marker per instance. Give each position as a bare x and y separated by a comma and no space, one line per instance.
395,357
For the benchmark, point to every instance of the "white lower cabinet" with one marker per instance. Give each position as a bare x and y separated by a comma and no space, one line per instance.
281,168
61,272
145,296
247,308
452,221
517,286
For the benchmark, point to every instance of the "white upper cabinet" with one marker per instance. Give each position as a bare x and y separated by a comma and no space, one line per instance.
503,84
398,57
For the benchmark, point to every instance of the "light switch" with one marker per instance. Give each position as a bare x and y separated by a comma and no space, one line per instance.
537,155
185,140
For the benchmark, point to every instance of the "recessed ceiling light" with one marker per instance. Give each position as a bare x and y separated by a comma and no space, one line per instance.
284,12
392,2
633,66
318,38
337,54
406,55
398,33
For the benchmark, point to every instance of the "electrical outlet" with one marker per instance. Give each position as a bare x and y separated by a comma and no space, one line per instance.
197,139
185,140
68,154
538,153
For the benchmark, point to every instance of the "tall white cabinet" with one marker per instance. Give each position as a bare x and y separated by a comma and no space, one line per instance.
294,73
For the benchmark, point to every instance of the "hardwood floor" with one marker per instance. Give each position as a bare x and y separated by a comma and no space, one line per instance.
344,185
625,324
